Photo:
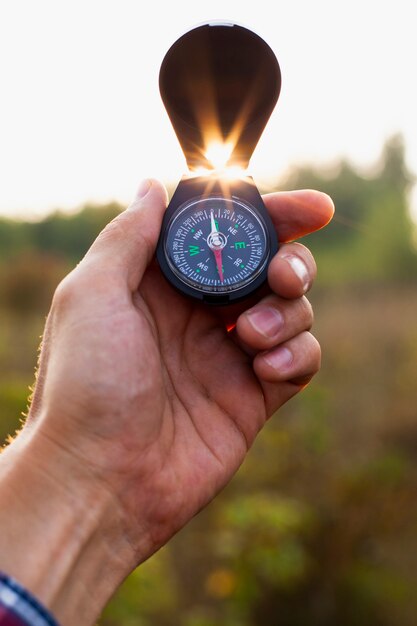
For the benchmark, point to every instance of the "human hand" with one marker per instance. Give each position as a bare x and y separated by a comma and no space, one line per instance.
144,398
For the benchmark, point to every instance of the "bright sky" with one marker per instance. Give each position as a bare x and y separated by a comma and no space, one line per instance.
80,112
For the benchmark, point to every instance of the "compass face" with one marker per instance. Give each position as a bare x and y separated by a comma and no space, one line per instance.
217,245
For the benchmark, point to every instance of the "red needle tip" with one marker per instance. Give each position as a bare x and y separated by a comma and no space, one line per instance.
218,257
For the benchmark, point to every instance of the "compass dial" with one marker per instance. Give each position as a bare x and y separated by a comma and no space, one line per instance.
216,244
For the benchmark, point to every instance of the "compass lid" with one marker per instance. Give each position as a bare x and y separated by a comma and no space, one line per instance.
219,84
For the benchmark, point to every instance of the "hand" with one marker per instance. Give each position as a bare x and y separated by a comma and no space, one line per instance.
145,406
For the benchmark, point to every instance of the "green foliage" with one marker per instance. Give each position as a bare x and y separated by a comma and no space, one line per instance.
33,280
13,402
262,535
72,235
370,236
318,526
14,236
60,235
151,590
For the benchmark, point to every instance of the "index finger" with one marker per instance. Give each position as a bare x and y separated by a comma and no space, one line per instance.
298,213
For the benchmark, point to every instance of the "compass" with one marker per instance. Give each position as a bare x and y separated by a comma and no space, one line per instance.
216,247
219,84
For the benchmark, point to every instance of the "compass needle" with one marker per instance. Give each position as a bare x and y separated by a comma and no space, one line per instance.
216,242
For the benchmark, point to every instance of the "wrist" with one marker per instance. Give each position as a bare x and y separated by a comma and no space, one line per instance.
62,530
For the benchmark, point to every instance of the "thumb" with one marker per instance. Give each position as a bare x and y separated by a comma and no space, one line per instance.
128,242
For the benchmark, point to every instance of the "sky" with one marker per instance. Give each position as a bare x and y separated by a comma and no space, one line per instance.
81,119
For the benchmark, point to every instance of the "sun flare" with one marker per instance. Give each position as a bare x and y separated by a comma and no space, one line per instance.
218,154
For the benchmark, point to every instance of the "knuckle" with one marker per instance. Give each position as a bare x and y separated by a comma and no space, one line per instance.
63,289
66,291
299,314
306,312
314,352
310,359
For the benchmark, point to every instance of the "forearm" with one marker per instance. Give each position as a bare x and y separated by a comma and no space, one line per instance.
57,530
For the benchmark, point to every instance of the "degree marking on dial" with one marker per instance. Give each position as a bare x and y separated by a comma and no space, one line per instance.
242,265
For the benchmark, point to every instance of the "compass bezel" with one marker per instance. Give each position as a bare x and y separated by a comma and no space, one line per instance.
237,204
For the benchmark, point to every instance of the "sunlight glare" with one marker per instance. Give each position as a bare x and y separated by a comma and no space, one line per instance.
218,154
229,173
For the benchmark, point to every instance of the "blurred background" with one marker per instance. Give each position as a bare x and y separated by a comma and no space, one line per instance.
319,527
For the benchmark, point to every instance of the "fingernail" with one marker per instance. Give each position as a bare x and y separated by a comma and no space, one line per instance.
299,268
279,359
267,321
143,188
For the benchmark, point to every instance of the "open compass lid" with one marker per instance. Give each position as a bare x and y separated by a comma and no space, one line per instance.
219,84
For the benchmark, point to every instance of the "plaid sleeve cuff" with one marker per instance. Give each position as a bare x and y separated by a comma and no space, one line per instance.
18,607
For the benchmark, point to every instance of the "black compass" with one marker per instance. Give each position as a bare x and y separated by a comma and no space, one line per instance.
217,247
217,238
